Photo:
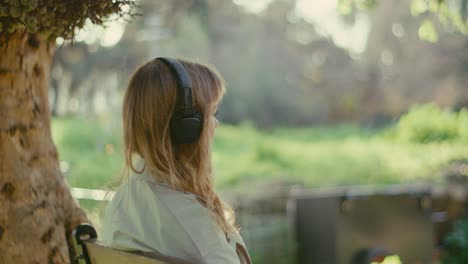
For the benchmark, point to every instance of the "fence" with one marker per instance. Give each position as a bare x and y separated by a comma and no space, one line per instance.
266,227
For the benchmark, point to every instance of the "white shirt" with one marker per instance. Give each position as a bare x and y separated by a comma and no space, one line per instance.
149,216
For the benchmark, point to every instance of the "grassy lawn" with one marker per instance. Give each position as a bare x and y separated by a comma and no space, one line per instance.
91,155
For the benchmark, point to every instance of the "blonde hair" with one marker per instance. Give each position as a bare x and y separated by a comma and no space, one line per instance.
148,105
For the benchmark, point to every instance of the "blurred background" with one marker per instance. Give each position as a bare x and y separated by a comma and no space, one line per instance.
321,95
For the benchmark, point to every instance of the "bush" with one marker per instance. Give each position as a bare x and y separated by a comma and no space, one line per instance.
456,244
430,123
463,123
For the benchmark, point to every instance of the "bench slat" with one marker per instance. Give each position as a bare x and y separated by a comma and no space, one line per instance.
100,254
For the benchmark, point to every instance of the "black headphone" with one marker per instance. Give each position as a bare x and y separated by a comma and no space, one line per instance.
186,122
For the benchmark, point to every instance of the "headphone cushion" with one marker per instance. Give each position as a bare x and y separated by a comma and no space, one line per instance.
185,129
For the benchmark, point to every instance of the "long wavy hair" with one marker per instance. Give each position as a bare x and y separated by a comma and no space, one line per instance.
149,103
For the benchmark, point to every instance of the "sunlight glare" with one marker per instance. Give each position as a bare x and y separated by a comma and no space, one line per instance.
324,14
253,6
107,36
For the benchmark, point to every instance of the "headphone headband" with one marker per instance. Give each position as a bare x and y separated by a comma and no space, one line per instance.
184,84
186,123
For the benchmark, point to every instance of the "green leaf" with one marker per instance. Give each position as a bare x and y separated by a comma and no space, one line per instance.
418,7
428,32
365,4
434,6
345,7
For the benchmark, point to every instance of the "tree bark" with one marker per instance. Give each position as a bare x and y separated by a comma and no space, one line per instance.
37,211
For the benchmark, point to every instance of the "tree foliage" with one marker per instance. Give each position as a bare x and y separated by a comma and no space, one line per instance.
279,69
57,18
449,12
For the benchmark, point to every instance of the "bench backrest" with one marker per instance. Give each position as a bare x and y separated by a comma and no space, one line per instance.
100,254
90,251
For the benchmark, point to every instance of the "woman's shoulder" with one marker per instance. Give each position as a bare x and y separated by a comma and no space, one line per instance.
161,191
195,219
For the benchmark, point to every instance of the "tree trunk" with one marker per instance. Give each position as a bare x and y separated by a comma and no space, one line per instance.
37,211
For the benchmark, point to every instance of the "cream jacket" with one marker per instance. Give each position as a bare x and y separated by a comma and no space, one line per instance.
148,216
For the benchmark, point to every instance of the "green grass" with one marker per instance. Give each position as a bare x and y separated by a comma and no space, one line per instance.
326,156
89,150
243,155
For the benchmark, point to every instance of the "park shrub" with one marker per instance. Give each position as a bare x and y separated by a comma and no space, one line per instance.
430,123
463,123
456,243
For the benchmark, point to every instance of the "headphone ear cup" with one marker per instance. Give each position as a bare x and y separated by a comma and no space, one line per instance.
185,129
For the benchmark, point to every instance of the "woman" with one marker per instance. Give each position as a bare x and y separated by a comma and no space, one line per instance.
167,203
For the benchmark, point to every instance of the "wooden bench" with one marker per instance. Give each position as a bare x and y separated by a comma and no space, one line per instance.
89,250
